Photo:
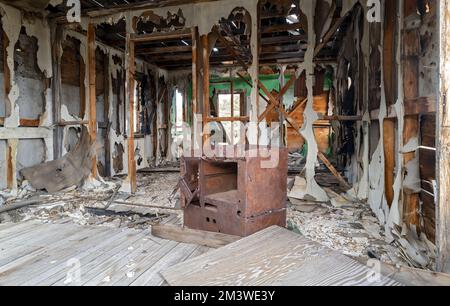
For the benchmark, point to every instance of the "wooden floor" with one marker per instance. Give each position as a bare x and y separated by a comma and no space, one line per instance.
64,254
274,256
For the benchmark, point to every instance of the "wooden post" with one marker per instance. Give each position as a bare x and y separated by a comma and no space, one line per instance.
92,92
232,105
206,111
107,106
7,73
56,54
194,88
389,156
131,83
410,55
443,147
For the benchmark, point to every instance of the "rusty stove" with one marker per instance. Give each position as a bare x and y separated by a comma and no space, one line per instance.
233,196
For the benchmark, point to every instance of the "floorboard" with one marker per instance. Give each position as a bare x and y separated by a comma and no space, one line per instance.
64,254
269,257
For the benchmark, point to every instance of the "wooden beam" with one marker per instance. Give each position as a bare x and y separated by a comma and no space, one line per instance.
106,106
411,276
195,41
29,122
164,50
10,165
6,72
443,148
283,27
82,88
333,170
411,205
206,109
329,35
275,101
92,92
280,49
410,71
68,123
131,71
389,66
230,48
190,236
389,137
228,119
341,118
283,39
139,38
294,124
105,11
421,105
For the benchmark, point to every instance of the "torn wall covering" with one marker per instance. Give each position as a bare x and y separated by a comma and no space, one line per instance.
117,139
37,28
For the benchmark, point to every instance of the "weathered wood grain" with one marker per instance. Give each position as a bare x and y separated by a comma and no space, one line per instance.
265,258
186,235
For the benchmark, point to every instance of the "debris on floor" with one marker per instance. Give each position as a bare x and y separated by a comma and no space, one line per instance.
350,226
99,203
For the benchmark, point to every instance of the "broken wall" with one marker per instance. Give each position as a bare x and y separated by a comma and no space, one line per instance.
111,111
402,117
26,107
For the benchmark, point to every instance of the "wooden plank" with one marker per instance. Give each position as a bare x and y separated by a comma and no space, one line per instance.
443,147
164,50
92,92
283,39
329,35
57,31
427,160
389,137
411,206
338,270
26,248
333,170
230,48
283,27
6,72
265,258
107,106
186,235
174,35
420,105
10,164
414,277
29,122
95,263
194,101
206,108
389,51
152,276
228,119
61,250
126,263
131,70
341,118
59,269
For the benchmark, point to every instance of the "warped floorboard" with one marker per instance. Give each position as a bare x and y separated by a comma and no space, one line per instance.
65,254
274,256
